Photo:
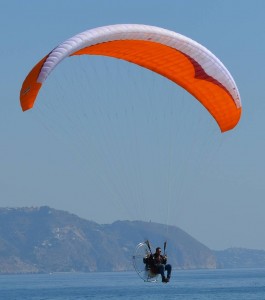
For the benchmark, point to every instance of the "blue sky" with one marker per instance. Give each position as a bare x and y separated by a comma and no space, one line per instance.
183,171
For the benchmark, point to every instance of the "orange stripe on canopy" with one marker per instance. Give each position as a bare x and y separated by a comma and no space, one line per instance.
162,59
179,68
30,87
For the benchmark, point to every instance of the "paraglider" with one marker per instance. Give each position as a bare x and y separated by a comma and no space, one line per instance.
174,56
142,254
149,265
170,54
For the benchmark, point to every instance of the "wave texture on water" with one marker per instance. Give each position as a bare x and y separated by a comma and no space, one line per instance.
238,284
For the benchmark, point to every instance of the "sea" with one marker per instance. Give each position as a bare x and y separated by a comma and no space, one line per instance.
238,284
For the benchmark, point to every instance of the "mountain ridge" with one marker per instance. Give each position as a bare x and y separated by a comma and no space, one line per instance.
44,240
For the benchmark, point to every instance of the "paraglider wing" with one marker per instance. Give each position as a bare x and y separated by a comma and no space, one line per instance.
168,53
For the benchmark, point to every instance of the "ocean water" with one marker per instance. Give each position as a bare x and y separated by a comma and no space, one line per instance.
199,284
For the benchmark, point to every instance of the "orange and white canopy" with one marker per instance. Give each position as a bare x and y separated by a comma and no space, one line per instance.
179,58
